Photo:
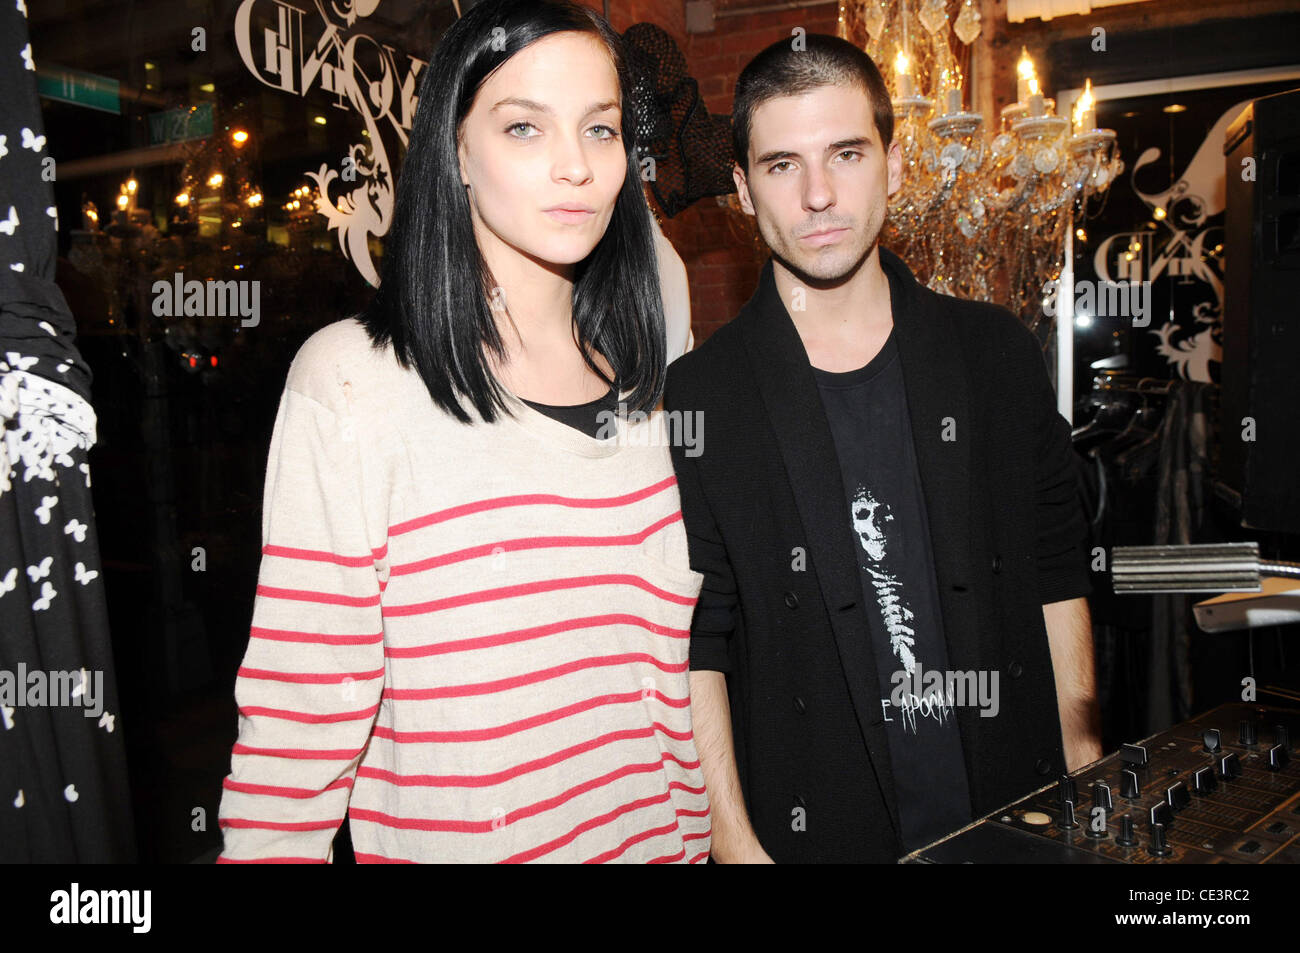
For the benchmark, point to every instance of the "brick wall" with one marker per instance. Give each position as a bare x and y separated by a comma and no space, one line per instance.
723,260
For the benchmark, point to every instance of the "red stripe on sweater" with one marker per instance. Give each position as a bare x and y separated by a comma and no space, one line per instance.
621,849
299,754
310,678
683,786
533,542
316,555
316,638
509,774
704,855
270,790
543,849
534,632
530,678
670,858
248,823
322,598
457,826
528,499
311,718
523,724
531,588
702,812
272,860
378,859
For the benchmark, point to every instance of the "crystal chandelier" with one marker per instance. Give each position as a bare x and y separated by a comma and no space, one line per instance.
984,210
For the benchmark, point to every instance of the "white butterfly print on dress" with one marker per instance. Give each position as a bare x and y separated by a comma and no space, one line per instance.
41,569
48,593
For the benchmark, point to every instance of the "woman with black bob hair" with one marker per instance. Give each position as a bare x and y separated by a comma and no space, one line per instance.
435,299
472,616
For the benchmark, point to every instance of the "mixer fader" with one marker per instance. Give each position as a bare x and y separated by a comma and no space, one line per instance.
1221,788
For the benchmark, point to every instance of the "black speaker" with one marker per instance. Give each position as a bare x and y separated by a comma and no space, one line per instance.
1260,425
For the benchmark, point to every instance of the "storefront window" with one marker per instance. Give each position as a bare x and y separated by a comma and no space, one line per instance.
225,172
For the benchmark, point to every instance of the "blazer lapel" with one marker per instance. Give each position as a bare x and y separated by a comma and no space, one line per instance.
794,409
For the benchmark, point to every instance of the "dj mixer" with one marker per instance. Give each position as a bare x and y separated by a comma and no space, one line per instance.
1223,788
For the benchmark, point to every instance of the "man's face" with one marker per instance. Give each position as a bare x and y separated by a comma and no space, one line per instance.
819,180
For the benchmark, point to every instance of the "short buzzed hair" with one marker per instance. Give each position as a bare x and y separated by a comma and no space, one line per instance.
781,70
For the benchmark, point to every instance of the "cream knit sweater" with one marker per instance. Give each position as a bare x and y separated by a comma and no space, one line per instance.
471,639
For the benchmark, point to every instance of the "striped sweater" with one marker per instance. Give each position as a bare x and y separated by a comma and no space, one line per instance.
471,639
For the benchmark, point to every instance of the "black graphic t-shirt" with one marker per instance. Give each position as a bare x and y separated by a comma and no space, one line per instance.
867,412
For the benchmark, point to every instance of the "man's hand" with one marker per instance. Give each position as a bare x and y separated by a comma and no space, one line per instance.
1069,637
734,840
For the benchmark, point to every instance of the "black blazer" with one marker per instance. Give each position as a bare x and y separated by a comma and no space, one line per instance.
1008,536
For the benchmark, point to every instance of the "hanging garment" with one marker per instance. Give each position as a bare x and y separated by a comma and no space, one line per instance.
1181,508
1118,501
63,784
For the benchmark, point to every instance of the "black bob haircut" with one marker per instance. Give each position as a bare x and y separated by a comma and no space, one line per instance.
781,70
433,298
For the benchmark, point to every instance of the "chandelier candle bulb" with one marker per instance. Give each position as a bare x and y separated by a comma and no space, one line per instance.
1085,113
1025,73
903,75
1037,102
953,105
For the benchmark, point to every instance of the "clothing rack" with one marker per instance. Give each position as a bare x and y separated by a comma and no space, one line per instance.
1130,384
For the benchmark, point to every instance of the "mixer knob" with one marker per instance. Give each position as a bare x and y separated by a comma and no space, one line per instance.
1134,755
1162,813
1203,781
1126,838
1177,796
1128,785
1278,758
1101,796
1066,789
1246,736
1067,821
1213,740
1230,766
1158,846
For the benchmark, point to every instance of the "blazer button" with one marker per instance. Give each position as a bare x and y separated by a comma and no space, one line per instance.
997,563
792,600
1015,670
1042,766
799,705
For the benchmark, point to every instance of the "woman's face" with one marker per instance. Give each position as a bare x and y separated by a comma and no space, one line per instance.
542,153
